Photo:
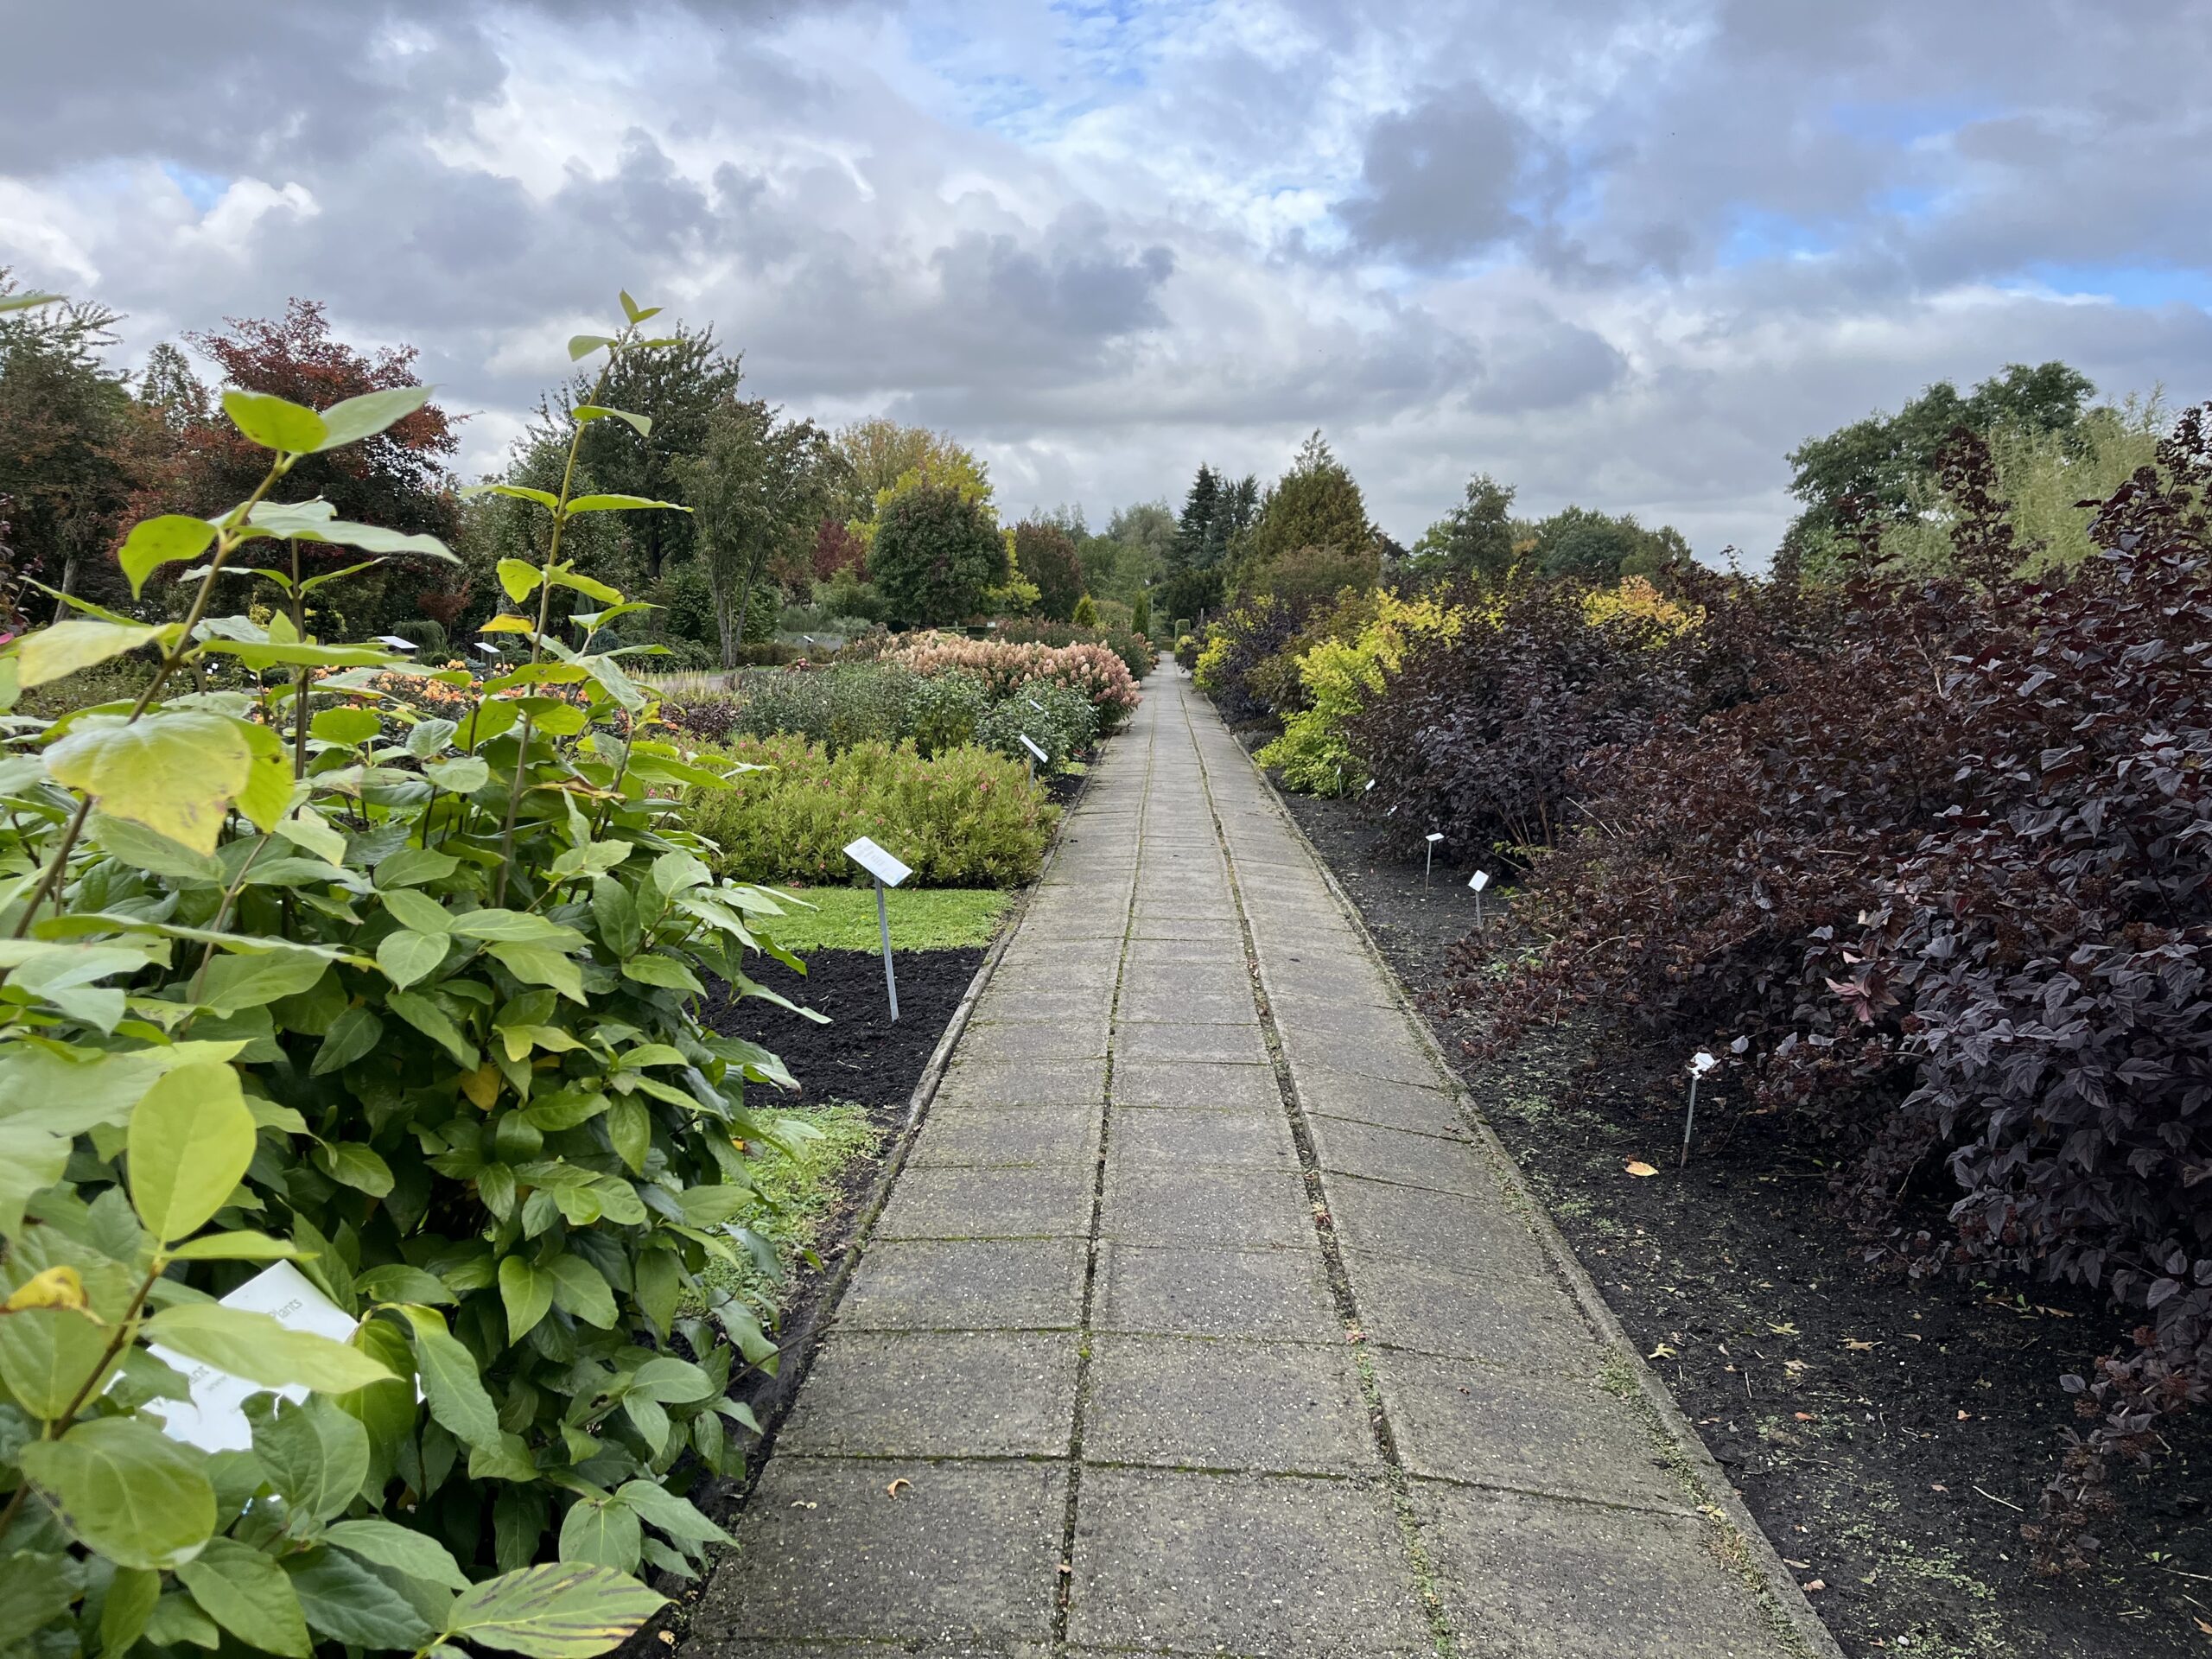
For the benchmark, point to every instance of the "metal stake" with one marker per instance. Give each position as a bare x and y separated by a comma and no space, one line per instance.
890,979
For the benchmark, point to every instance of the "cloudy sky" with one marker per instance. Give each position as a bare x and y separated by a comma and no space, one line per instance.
1624,254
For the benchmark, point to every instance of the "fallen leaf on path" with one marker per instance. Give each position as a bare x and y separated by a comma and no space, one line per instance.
1858,1347
1662,1351
894,1488
1637,1166
1813,1584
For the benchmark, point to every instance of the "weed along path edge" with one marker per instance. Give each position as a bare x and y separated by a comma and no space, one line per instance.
1202,1316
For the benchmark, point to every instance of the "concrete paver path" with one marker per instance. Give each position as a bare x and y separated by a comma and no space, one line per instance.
1201,1321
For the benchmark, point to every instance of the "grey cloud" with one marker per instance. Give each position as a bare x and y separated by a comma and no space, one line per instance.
1437,181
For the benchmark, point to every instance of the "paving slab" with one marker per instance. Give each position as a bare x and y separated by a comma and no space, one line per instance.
1343,1146
1536,1577
978,1083
1499,1425
1031,1201
1199,1403
1145,1043
1277,1295
1508,1319
1025,1042
1223,1087
984,1284
1325,1091
1177,1135
1444,1229
963,1552
936,1393
1008,1135
1153,1203
1288,1566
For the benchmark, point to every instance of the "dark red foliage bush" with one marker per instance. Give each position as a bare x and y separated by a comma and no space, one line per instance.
1254,629
1948,876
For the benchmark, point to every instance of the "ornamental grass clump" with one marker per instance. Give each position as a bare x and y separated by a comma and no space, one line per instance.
398,994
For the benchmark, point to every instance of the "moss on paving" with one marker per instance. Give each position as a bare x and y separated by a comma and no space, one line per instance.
796,1193
922,918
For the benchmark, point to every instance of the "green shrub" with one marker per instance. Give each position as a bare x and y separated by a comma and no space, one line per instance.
406,999
428,635
966,818
945,710
1061,722
835,706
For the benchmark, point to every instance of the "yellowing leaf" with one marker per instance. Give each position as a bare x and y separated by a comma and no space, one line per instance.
481,1085
175,772
78,643
1637,1166
57,1287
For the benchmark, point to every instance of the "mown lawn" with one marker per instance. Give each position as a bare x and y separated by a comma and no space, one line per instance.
924,919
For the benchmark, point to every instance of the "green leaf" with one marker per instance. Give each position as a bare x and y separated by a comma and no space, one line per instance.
355,1032
243,1245
132,1594
308,831
616,914
248,982
316,1456
351,1164
352,419
660,1508
427,1017
602,1533
412,865
582,345
154,542
311,521
125,1491
386,1543
463,774
175,771
345,1601
37,1587
630,1130
176,1619
581,1289
620,504
274,422
527,1291
517,926
395,1281
589,587
539,964
346,725
143,850
417,911
642,424
246,1592
451,1385
518,492
259,1349
557,1611
429,737
29,299
407,956
190,1142
307,654
51,653
664,971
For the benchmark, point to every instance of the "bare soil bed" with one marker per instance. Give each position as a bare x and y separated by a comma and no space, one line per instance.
1889,1436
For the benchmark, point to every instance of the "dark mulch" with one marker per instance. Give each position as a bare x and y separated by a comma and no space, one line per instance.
861,1054
1888,1435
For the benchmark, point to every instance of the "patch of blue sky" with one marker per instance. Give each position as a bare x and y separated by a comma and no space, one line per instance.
202,190
2143,287
1031,88
1906,201
1756,235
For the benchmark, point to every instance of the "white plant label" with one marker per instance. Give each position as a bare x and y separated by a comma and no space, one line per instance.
214,1417
1702,1062
1031,746
877,862
1033,703
1436,834
1480,879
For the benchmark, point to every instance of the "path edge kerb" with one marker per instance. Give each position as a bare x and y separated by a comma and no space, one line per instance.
772,1401
1789,1599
